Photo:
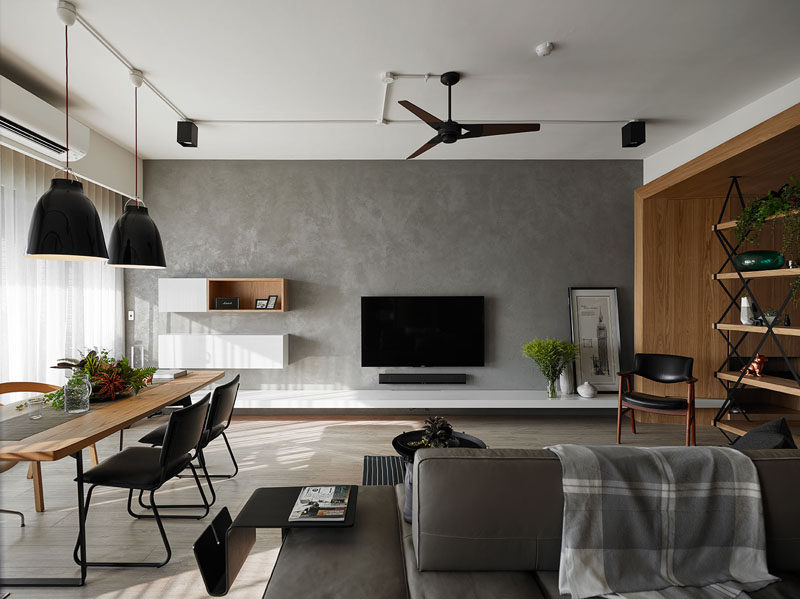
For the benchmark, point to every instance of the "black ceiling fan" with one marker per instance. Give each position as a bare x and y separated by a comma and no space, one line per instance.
450,131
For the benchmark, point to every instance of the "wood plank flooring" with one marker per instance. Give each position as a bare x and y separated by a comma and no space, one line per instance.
272,451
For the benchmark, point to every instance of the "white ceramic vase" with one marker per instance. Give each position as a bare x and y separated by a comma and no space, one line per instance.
746,312
565,384
587,389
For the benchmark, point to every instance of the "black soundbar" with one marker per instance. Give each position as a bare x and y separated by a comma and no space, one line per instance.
421,378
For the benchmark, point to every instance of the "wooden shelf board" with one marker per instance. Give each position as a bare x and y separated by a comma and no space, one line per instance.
246,279
731,224
743,427
751,328
259,311
763,413
248,290
758,274
773,383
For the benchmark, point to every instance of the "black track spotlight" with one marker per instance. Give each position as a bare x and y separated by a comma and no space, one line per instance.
187,134
633,134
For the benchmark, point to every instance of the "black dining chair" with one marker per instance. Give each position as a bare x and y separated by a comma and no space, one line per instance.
220,412
148,468
661,368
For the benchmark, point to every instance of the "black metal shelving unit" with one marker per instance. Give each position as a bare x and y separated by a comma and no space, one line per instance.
734,335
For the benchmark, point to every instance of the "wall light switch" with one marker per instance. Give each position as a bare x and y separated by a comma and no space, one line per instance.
130,314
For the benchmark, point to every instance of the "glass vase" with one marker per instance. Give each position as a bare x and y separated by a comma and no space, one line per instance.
551,389
76,394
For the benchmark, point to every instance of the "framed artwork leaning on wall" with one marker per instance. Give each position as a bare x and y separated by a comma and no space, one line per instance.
594,317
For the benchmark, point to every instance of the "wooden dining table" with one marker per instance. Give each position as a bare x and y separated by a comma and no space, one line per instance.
72,437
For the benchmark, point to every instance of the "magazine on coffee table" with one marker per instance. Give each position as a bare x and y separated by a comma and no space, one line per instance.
327,503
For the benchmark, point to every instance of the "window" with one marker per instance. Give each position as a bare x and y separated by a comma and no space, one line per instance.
51,309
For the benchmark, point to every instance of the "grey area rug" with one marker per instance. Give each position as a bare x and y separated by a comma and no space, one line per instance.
383,470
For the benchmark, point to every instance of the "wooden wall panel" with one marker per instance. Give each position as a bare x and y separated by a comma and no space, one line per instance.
680,301
675,299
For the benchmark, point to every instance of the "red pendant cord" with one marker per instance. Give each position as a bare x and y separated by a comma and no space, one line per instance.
66,68
136,140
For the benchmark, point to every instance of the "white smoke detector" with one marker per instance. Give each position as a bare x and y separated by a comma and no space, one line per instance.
544,49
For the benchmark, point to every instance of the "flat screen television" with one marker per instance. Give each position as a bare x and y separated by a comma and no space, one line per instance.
422,331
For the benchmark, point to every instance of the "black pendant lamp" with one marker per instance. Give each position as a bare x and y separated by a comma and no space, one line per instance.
135,241
65,224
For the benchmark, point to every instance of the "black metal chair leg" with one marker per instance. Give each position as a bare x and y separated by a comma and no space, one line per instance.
200,458
85,514
131,564
20,514
233,459
206,505
202,461
121,437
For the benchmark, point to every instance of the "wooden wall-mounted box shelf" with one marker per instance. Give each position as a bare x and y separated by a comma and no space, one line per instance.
200,294
248,290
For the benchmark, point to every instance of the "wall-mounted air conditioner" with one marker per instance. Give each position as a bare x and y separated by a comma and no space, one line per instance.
28,122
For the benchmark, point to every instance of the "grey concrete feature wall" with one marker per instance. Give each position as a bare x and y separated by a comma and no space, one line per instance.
518,232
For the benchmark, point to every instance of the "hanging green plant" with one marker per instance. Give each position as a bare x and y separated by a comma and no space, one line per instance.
784,203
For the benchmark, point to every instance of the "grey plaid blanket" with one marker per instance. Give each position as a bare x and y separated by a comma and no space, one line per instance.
670,522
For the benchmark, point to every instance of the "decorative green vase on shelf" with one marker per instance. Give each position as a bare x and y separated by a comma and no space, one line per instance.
759,260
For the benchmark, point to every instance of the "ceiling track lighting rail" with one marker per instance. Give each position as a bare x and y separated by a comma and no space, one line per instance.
67,11
387,79
65,7
397,121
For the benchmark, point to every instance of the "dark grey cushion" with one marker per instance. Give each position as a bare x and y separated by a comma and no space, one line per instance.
771,435
487,509
463,585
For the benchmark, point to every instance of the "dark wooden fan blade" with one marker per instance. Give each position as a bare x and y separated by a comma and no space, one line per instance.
425,116
424,148
498,129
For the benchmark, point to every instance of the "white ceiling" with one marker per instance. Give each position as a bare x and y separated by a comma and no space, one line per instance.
679,64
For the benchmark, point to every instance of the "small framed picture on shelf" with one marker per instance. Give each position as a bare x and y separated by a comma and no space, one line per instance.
272,301
261,304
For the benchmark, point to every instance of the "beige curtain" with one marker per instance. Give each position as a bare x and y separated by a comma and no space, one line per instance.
51,309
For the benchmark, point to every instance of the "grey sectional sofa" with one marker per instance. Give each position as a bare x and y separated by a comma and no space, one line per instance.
486,523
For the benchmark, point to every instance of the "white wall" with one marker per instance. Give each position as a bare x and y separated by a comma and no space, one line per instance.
724,129
110,165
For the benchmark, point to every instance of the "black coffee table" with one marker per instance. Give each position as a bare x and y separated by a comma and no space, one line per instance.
225,544
270,507
402,443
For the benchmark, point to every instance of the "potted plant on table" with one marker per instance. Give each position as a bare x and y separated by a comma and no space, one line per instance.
107,377
551,356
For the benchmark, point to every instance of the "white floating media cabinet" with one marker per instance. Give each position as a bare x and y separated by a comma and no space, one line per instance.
223,351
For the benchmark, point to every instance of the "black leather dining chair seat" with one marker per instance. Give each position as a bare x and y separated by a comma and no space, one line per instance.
134,468
156,436
653,401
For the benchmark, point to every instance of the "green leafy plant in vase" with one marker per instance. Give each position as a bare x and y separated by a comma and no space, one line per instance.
109,378
551,356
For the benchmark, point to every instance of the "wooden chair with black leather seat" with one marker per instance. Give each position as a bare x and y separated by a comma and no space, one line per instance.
661,368
35,468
